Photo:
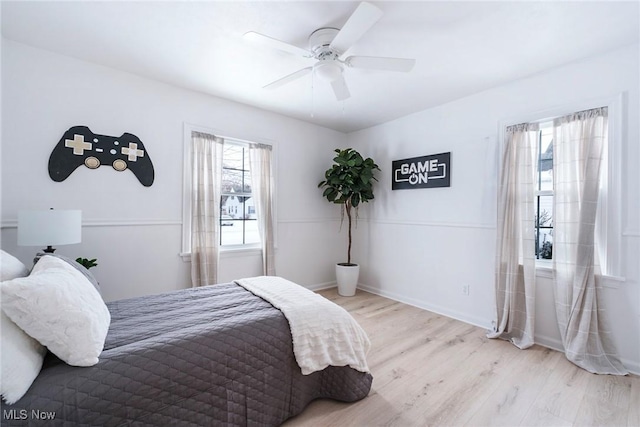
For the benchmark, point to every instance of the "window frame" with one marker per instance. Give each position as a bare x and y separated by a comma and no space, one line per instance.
244,145
245,249
609,219
546,262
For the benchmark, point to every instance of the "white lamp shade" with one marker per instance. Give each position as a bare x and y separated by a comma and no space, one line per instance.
50,227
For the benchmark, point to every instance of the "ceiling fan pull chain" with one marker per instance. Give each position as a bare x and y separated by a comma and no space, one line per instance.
313,104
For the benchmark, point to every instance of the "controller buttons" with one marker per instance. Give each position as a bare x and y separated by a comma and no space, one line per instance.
116,142
95,139
91,162
113,151
132,151
119,165
78,144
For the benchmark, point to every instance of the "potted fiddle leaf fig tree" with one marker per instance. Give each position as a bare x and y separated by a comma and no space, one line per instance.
348,183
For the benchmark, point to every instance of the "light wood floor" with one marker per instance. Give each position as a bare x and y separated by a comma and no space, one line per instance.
430,370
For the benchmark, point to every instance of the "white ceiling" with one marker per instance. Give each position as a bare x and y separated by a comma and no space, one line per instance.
460,47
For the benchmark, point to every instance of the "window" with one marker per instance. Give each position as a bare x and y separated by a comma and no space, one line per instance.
608,229
544,192
238,225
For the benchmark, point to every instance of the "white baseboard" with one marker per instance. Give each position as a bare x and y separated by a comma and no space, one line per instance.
472,320
632,367
552,343
555,344
321,286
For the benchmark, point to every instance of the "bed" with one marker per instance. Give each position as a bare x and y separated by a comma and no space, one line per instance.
216,355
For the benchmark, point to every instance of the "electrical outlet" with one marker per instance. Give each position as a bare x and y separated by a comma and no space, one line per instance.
465,290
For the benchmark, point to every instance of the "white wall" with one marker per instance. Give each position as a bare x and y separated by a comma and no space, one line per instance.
418,246
422,246
135,231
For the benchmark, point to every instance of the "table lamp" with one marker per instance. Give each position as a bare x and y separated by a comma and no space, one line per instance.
49,227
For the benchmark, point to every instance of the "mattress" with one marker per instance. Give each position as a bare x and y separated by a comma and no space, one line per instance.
216,355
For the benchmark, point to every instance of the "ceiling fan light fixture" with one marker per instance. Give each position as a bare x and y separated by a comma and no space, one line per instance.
329,70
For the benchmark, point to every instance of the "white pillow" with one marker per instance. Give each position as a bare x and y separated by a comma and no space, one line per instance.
21,360
22,356
58,306
11,267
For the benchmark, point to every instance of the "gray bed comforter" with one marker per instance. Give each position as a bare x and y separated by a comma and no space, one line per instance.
216,355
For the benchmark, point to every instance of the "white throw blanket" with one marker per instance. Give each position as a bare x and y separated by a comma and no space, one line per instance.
324,334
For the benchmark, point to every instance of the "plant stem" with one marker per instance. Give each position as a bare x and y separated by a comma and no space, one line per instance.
348,209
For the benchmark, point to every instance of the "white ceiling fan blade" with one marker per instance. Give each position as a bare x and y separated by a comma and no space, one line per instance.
358,23
287,79
276,44
380,63
340,88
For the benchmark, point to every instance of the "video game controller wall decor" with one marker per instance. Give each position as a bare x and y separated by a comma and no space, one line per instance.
79,146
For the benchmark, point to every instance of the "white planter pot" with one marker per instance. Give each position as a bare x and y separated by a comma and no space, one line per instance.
347,278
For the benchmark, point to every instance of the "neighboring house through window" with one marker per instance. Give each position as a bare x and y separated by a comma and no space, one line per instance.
238,225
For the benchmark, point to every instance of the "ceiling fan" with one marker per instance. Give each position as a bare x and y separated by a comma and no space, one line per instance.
329,46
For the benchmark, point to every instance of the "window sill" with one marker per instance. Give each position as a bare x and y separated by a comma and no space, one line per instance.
233,251
545,270
230,252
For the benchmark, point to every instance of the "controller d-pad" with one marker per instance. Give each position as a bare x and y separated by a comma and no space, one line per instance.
78,144
91,162
132,151
119,165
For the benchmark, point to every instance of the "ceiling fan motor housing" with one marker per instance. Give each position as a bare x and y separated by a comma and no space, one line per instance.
320,41
328,67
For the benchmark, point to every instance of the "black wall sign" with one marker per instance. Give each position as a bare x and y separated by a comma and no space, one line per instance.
422,172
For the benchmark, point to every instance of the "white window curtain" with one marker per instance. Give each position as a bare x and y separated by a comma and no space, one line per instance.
578,143
205,207
262,189
515,249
